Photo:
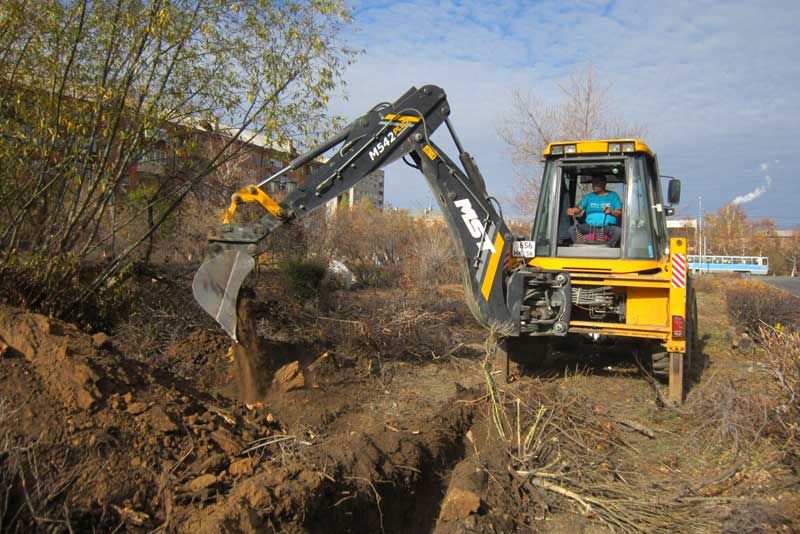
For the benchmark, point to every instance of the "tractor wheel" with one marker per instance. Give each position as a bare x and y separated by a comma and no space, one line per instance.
660,364
692,336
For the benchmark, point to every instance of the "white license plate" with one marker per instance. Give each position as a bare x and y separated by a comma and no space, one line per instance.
523,249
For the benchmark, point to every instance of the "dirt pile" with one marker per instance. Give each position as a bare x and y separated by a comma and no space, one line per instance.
61,357
126,436
99,434
139,446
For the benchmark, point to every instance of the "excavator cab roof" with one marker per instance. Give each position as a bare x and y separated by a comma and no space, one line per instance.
596,147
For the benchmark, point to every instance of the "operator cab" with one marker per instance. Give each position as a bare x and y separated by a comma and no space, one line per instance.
627,170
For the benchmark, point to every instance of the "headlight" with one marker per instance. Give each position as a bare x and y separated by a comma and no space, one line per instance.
614,147
628,147
557,150
570,149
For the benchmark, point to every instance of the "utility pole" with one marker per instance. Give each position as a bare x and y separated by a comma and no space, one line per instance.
700,246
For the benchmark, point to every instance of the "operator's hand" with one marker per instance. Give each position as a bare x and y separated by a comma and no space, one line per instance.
607,210
572,211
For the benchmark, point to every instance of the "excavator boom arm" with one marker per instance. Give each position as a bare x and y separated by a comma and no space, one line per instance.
381,136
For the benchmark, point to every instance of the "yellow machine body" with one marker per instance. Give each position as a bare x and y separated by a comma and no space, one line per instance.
654,290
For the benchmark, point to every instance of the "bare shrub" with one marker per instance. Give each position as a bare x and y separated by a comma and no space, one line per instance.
706,283
404,329
782,362
751,305
371,241
559,446
730,415
304,276
735,416
432,259
159,310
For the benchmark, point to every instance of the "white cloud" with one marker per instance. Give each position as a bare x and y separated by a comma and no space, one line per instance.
712,81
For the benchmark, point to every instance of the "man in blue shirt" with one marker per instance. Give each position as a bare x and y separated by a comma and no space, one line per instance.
602,208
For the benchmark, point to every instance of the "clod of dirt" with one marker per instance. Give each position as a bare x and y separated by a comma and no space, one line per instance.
227,441
59,353
159,420
463,497
3,348
289,377
136,408
101,340
244,466
213,464
130,515
202,482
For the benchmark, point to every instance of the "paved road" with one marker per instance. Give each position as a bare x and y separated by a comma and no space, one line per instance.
787,283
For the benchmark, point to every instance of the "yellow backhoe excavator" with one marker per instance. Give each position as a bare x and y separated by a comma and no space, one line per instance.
567,284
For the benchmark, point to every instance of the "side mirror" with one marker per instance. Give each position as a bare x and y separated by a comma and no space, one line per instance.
674,191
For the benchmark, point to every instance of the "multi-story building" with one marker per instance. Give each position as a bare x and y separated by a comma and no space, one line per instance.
250,159
370,188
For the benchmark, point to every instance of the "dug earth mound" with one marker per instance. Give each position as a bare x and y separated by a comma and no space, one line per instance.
370,420
99,440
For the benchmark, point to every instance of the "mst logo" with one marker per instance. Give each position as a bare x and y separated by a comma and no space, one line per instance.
474,225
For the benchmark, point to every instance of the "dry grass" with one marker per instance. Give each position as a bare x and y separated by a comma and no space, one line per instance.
162,311
34,493
557,441
782,364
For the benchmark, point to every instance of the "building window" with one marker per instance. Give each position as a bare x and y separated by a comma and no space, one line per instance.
154,156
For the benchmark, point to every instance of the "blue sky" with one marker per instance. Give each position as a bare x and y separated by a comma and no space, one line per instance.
716,84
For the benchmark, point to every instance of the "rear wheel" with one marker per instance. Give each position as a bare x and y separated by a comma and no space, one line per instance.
660,360
660,364
692,336
680,363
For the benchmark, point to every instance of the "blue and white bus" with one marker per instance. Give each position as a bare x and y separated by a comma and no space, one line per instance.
729,264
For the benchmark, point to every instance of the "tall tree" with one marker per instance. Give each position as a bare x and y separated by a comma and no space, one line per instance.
792,252
585,111
729,232
87,87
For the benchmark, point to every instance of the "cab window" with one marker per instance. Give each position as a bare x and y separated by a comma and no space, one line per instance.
639,239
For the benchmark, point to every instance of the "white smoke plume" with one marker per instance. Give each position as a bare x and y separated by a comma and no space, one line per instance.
755,193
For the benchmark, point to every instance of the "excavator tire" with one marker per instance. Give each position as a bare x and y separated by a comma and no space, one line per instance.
692,333
660,360
660,365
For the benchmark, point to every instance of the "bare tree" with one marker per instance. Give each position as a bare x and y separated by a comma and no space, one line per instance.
792,251
584,112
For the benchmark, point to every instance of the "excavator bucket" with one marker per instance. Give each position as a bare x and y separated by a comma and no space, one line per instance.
216,286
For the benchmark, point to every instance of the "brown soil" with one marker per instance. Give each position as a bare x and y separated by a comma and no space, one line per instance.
309,435
251,365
